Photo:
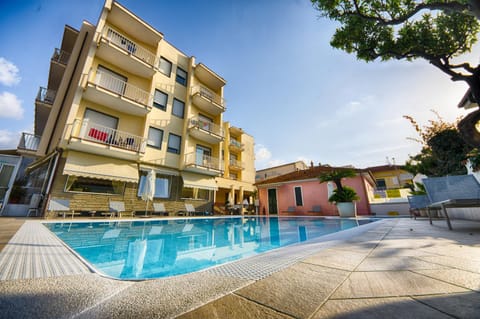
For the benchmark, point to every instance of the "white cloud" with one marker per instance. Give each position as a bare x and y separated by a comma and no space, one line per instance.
262,154
8,139
8,73
10,106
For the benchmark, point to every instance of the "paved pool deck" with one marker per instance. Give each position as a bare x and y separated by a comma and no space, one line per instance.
395,268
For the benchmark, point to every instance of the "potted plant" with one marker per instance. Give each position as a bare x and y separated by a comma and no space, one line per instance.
342,196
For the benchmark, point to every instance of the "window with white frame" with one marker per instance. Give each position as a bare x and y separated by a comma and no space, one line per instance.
160,100
162,185
298,196
178,108
165,66
174,143
181,77
155,137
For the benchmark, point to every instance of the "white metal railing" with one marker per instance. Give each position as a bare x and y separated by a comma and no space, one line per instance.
60,56
45,95
202,160
236,144
236,163
207,126
94,132
209,95
120,87
130,46
29,142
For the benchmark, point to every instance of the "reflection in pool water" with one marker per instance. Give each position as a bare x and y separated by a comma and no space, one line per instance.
168,247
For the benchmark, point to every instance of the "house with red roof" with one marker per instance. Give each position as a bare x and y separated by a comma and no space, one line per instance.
301,193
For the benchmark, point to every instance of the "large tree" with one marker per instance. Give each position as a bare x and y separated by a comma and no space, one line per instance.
438,31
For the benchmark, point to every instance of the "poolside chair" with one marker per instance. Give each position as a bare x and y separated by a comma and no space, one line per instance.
34,204
159,208
189,210
417,204
117,208
452,191
60,206
317,209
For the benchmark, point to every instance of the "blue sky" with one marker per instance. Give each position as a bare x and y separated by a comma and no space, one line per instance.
298,97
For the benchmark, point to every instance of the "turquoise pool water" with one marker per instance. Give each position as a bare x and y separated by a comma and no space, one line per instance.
136,250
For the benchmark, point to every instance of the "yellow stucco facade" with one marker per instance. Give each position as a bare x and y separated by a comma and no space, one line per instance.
127,96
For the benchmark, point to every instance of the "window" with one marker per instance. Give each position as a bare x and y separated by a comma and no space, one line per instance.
181,77
162,185
203,156
178,108
93,185
298,196
99,127
196,193
381,183
101,119
174,142
160,100
165,66
155,137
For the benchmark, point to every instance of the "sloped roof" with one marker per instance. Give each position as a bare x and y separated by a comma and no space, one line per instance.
382,168
310,173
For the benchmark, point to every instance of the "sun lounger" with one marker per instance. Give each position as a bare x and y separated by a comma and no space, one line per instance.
60,206
159,208
117,208
452,191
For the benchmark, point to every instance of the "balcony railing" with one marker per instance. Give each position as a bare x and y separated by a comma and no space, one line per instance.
206,126
236,145
209,95
236,164
46,96
29,142
130,46
122,88
60,56
201,160
97,133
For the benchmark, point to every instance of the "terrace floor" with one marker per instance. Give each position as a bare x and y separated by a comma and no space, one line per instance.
395,268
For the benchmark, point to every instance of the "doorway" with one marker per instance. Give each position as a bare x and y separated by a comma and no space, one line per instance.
272,201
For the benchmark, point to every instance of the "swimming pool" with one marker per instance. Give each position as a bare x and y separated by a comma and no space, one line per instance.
136,250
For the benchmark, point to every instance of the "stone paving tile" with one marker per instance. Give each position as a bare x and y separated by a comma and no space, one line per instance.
55,297
390,284
456,250
165,298
463,305
334,258
296,291
398,252
233,306
455,262
458,277
396,263
378,308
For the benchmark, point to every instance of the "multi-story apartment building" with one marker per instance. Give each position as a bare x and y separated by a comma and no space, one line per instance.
121,101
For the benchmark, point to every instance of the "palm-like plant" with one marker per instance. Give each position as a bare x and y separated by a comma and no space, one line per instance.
342,193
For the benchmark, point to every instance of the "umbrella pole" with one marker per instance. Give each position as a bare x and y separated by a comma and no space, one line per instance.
146,207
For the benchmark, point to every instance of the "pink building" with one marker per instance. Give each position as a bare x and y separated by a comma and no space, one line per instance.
301,193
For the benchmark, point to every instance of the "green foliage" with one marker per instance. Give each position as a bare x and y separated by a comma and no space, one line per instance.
418,189
436,31
347,194
443,152
341,193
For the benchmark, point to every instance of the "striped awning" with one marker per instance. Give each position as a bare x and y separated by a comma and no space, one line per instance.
94,166
193,180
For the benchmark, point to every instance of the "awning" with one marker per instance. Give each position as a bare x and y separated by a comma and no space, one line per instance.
160,170
93,166
192,180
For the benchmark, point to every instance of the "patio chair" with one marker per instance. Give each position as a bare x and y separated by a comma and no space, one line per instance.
34,204
417,203
61,207
117,208
159,208
452,191
189,210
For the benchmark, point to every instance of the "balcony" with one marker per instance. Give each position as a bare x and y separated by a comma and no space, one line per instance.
45,96
28,143
208,77
203,164
208,101
235,165
117,48
205,131
235,146
60,56
90,137
117,94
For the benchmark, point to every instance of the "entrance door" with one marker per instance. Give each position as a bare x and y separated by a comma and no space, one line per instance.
272,201
203,156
